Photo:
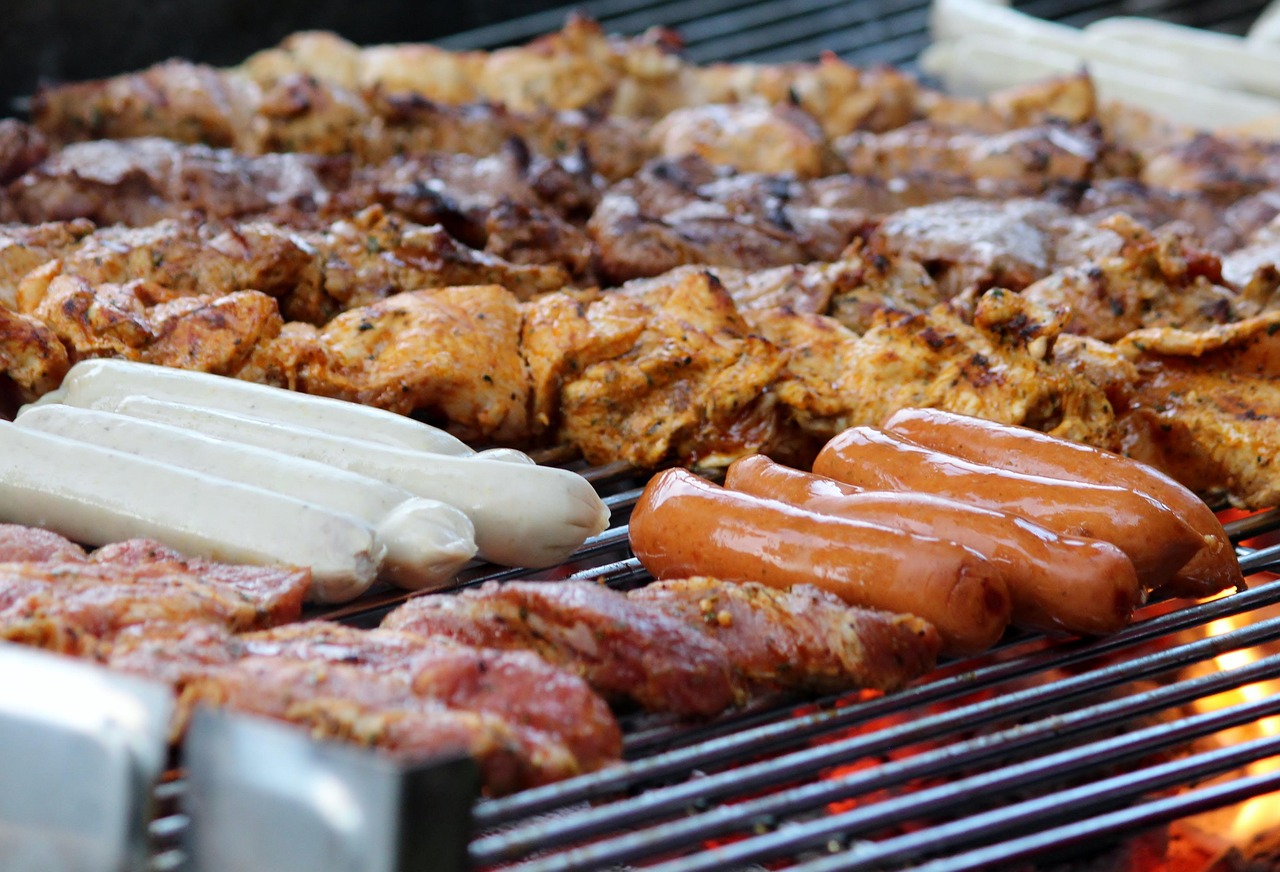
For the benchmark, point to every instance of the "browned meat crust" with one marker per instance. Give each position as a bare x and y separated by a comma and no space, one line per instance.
532,723
802,639
690,646
338,701
515,685
70,606
20,544
624,650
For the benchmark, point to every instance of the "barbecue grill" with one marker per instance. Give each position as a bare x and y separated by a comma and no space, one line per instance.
1038,752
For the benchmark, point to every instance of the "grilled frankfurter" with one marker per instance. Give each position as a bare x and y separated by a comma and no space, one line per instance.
1153,536
1020,449
425,541
96,496
684,525
99,382
1057,583
524,514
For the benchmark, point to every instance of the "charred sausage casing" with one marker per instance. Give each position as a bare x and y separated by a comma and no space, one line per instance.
684,525
1157,541
1057,583
1020,449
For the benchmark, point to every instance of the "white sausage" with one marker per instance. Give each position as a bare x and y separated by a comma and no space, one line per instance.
97,383
426,542
95,495
524,514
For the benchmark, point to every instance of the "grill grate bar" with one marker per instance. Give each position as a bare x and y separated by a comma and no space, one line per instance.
809,762
1081,801
794,731
805,36
1118,823
878,40
945,761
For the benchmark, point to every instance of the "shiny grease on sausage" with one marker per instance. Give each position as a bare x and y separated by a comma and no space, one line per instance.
1157,541
684,525
1021,449
1057,583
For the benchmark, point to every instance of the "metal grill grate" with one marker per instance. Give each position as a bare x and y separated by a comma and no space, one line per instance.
1039,749
860,31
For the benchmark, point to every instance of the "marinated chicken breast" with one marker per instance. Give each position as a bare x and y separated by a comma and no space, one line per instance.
1206,407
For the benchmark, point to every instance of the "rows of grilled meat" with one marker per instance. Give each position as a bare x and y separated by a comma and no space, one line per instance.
700,364
515,675
818,300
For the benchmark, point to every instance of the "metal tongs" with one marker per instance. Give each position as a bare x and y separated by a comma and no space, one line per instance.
81,750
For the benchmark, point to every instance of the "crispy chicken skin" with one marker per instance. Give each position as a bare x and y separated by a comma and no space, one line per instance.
802,639
671,373
1153,281
1206,406
451,354
144,322
997,365
32,357
623,649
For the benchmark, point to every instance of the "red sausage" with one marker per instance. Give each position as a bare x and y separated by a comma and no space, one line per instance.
1021,449
684,525
1157,541
1060,583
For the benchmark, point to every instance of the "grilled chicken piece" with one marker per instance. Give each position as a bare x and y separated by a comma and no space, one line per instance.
21,544
1028,161
973,245
144,322
1153,281
70,606
1000,367
183,256
375,255
140,181
672,373
688,212
624,650
802,639
750,138
1221,168
33,360
451,354
337,701
1207,407
1071,99
313,274
482,202
175,100
518,686
580,67
24,247
851,289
